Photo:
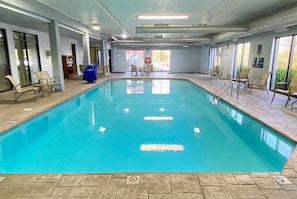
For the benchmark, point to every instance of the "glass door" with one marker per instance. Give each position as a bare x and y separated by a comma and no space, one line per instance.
27,57
285,66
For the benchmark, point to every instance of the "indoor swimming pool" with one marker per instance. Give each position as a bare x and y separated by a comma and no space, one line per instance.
143,125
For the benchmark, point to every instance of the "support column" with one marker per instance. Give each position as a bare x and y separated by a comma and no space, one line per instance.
86,49
54,37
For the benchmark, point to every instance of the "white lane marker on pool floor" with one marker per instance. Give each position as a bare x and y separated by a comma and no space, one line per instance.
132,180
2,178
282,180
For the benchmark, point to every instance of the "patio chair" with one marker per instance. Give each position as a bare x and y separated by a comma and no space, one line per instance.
242,77
259,83
217,74
100,71
106,70
148,69
46,80
18,90
133,69
291,91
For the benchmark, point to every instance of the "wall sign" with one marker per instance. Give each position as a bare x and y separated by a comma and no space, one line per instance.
258,62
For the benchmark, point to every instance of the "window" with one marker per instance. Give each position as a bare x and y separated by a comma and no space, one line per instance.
135,57
161,60
242,52
285,61
217,57
4,64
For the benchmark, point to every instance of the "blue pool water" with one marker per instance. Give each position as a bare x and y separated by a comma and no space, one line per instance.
143,126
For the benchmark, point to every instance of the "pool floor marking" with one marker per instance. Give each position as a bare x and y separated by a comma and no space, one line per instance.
2,178
282,180
132,180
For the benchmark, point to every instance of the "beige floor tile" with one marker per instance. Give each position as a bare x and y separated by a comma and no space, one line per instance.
267,183
245,191
187,196
182,185
160,186
213,179
210,192
70,180
102,193
71,191
139,193
122,193
95,180
289,172
276,194
244,178
229,178
37,190
160,196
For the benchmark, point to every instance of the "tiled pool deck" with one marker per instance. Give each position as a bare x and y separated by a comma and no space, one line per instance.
155,185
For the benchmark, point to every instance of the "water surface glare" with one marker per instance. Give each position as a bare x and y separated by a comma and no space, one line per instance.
138,125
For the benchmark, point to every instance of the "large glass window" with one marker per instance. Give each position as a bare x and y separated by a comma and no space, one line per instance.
285,61
217,57
242,52
135,57
27,57
4,63
161,60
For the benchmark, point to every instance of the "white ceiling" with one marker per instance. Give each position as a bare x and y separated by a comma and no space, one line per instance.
117,17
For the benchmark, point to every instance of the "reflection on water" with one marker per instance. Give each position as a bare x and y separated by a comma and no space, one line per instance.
158,86
265,135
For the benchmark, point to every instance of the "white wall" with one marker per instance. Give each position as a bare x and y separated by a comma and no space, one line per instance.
44,45
43,40
185,60
193,59
65,49
119,63
226,61
228,55
266,43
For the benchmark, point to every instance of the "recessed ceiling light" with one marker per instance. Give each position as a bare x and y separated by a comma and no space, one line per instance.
124,36
95,27
162,17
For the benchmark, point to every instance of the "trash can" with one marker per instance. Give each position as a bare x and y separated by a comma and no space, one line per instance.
90,73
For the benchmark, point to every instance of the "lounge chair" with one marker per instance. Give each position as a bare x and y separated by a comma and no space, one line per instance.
133,69
291,91
18,90
260,83
46,80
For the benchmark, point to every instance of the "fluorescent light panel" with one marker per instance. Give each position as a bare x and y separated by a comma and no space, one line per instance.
96,27
162,17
